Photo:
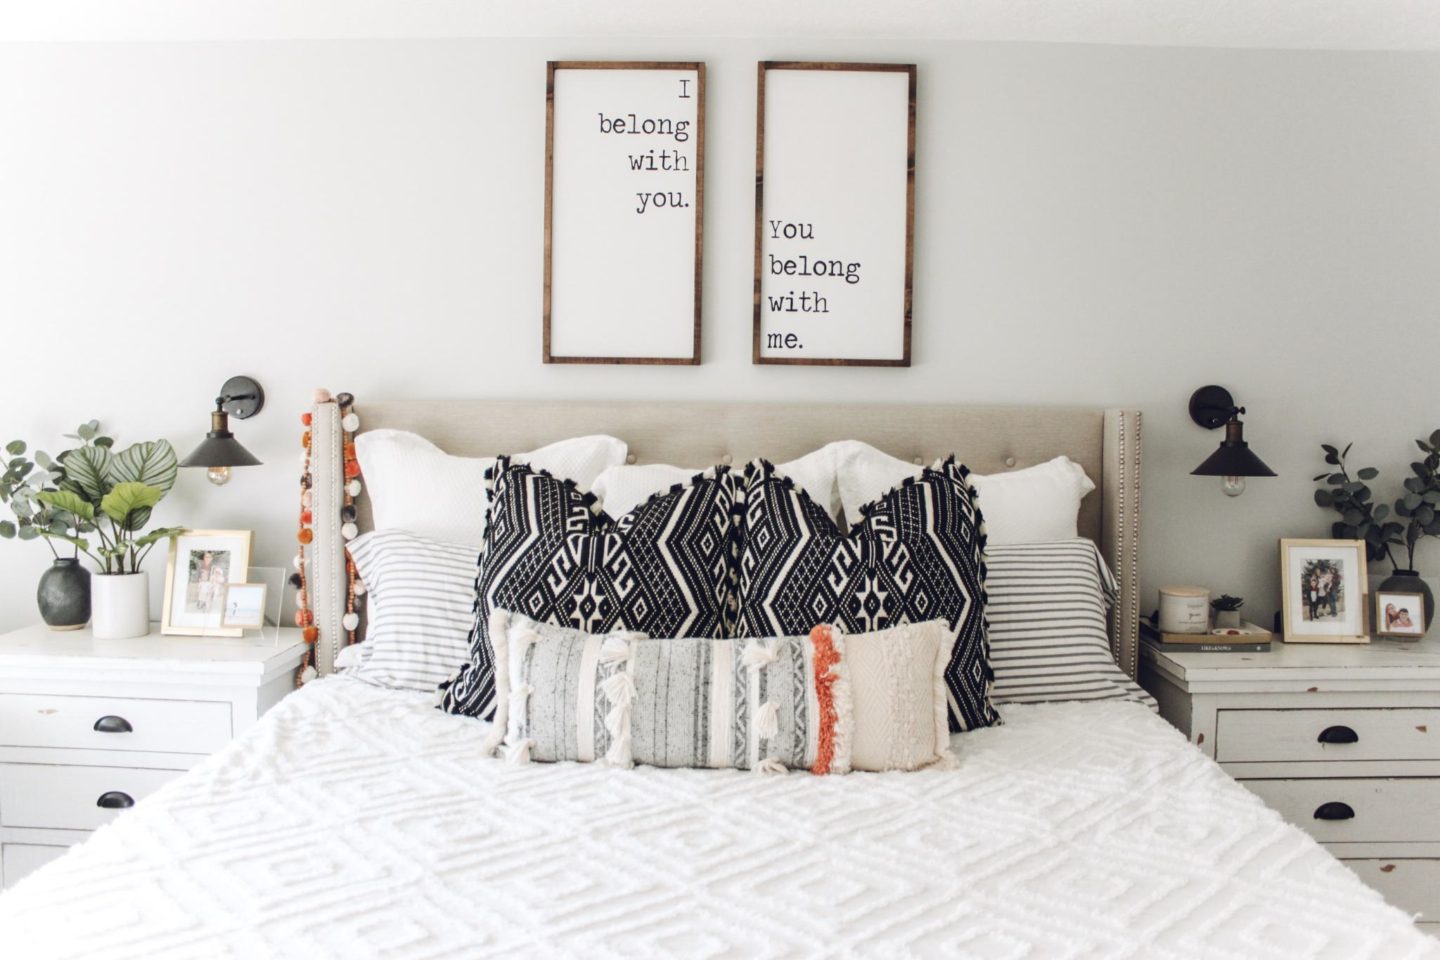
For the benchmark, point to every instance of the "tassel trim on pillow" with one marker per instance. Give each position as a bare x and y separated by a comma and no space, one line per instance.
832,691
619,690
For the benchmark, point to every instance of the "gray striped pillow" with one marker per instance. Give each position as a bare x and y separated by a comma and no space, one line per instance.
419,608
1047,605
623,698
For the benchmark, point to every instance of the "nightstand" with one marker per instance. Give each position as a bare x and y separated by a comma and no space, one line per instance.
1343,741
88,727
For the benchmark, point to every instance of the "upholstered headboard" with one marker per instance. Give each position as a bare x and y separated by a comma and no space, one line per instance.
989,439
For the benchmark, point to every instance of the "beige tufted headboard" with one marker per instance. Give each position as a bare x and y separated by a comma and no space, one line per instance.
989,439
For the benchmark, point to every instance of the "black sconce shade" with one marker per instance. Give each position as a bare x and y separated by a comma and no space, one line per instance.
220,449
241,397
1213,407
1233,460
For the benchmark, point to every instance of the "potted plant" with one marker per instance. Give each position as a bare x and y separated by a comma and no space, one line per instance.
63,594
1387,530
1227,611
92,491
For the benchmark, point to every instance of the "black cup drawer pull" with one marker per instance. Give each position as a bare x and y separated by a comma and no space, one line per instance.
114,724
115,800
1334,810
1338,735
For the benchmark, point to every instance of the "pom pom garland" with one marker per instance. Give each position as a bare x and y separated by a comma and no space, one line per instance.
305,534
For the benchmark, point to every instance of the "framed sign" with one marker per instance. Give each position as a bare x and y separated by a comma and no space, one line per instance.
624,190
834,213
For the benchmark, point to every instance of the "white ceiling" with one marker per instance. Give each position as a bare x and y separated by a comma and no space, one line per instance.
1297,24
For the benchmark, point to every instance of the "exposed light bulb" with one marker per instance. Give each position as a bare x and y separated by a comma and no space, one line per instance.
1233,486
218,475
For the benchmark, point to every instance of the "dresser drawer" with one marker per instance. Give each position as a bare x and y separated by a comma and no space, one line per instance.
67,798
1399,810
1411,885
18,859
1335,734
159,726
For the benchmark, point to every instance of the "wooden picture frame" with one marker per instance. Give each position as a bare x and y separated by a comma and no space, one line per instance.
194,603
1400,615
837,131
1324,587
622,284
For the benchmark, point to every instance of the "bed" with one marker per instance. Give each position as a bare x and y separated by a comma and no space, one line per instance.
357,821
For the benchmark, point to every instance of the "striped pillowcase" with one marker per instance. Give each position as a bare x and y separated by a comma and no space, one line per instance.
622,698
1047,605
419,608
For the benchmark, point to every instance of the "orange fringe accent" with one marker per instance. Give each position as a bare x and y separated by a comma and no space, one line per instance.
825,658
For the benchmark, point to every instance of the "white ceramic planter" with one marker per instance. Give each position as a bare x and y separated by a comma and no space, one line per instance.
120,606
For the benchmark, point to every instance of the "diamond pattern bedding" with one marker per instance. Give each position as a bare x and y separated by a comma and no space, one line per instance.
354,821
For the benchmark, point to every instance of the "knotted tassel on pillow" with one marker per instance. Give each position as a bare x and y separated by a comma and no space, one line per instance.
619,690
767,720
771,765
615,648
518,753
759,654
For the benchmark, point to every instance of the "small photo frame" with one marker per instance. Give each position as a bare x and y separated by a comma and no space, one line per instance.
244,606
202,566
1324,587
1399,615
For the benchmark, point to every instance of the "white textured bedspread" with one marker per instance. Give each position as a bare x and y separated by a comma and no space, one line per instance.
357,822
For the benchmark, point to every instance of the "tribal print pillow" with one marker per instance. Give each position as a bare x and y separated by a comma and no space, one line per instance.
917,553
666,568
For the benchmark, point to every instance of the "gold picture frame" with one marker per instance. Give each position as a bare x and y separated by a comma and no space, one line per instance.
1324,587
212,560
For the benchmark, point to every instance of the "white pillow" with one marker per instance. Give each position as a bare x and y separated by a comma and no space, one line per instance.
416,486
419,609
1035,504
621,489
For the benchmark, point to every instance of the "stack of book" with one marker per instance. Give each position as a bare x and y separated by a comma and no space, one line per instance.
1247,638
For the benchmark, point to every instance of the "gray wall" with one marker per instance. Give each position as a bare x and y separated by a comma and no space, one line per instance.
1095,225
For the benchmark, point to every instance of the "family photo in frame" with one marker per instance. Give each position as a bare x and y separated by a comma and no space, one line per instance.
1324,590
1400,615
203,566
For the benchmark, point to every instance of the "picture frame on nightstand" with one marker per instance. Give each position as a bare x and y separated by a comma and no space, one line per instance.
202,566
244,606
1400,615
1324,587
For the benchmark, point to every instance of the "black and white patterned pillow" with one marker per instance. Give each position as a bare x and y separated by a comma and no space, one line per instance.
666,568
917,553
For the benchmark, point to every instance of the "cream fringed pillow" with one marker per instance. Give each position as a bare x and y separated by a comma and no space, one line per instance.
768,705
897,693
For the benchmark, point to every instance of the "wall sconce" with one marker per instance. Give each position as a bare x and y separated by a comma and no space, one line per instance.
1213,407
241,397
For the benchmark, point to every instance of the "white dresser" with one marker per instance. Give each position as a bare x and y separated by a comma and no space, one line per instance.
1343,741
88,727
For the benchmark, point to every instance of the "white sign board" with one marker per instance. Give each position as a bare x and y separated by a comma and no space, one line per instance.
623,191
834,206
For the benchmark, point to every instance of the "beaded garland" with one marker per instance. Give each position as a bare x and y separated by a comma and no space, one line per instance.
304,612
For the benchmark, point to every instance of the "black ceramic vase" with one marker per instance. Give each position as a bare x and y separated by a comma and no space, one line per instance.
1408,581
64,595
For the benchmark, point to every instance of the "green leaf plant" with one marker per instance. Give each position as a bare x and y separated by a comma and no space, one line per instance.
93,499
1387,530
